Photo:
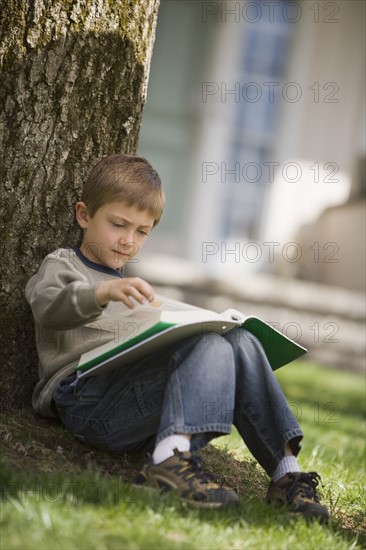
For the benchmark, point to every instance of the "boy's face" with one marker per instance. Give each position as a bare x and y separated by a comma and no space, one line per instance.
114,234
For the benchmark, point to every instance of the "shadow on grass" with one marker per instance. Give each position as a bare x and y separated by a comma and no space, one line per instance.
42,460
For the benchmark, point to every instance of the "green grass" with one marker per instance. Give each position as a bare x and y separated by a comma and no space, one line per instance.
58,494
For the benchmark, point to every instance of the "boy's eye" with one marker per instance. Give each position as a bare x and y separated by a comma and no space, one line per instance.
121,225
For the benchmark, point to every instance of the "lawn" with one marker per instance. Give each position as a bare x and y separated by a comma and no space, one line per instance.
58,493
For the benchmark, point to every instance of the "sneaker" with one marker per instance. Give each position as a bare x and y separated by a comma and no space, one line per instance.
299,491
183,475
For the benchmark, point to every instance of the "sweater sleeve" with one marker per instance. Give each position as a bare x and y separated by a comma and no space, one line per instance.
61,296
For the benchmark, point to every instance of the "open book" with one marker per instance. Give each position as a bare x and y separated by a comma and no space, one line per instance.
149,328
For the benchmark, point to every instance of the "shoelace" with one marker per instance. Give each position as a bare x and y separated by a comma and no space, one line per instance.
306,484
196,464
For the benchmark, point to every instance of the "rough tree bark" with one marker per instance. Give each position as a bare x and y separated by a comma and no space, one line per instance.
72,88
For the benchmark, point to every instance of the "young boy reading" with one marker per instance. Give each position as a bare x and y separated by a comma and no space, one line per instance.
170,403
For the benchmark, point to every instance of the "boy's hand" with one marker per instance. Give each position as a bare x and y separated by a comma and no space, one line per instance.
122,290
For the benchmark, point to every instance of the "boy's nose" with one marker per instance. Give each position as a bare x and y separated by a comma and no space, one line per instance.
127,241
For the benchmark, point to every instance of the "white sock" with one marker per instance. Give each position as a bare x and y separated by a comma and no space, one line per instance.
286,465
164,449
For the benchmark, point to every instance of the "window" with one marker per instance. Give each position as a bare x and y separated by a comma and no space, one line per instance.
262,63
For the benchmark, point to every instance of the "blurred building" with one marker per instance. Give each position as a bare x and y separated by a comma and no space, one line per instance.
255,121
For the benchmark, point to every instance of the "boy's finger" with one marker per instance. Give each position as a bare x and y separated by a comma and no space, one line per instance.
145,289
135,294
125,300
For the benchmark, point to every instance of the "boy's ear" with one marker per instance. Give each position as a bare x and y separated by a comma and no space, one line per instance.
82,216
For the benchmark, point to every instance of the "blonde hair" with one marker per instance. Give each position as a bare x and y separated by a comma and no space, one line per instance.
126,178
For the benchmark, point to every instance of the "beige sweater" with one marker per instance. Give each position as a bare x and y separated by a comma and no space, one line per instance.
63,302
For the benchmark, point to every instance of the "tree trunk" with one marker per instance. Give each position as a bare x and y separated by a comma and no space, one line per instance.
73,85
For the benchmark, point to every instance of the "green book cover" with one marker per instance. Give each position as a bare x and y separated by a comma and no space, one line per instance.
156,329
279,349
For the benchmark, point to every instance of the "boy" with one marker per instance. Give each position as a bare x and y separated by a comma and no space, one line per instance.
171,403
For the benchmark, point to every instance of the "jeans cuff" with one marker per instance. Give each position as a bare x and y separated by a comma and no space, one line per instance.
219,428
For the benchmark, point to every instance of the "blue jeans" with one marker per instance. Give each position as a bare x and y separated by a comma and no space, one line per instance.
200,387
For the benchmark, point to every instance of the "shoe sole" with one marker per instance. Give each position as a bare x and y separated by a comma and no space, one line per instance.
191,503
310,517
